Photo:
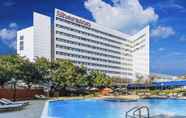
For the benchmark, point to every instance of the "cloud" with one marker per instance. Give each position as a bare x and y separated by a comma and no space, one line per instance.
13,25
124,15
171,4
9,3
161,49
8,35
162,32
183,38
171,63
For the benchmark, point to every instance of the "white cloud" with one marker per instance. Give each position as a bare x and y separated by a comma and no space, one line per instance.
8,35
171,61
9,3
171,4
125,15
183,38
162,32
13,25
161,49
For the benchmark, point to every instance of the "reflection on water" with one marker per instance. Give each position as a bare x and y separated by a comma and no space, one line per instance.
106,109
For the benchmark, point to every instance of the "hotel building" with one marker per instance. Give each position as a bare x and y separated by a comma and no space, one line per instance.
86,43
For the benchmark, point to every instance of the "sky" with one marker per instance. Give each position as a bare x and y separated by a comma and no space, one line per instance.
166,18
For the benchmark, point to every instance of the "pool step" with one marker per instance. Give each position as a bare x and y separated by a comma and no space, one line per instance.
131,116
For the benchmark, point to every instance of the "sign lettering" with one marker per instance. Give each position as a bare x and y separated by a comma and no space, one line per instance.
73,19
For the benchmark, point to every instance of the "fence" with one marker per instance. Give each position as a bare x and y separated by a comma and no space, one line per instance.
20,94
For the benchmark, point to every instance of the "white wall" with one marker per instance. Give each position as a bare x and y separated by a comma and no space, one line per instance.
141,56
42,36
28,52
38,44
101,28
132,62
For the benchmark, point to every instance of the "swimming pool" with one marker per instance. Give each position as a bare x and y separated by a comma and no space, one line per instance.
108,109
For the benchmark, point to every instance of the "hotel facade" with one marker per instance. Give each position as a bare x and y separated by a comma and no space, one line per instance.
86,43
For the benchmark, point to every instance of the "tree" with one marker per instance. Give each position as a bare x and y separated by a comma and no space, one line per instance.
65,75
10,68
99,79
44,69
62,73
82,78
4,76
30,74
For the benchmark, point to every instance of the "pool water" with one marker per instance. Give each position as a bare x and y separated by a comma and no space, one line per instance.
108,109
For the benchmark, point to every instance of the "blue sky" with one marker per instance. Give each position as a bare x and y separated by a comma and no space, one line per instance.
167,20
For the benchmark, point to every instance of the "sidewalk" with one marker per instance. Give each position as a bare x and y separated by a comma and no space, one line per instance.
33,110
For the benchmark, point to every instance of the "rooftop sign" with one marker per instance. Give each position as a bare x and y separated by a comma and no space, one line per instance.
73,19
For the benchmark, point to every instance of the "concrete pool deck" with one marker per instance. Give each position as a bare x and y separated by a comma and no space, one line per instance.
124,97
167,116
33,110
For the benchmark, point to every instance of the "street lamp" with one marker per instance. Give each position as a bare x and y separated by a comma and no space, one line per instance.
13,82
162,84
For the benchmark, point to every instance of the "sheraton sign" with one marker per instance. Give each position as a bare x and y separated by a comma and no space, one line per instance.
73,19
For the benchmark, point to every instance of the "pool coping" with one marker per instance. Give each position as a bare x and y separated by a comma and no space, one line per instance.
44,113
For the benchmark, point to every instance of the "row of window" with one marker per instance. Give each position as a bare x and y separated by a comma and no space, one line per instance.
138,38
89,52
92,29
89,69
108,72
84,39
89,34
126,73
105,71
139,43
92,58
127,64
102,70
127,54
127,50
93,47
138,48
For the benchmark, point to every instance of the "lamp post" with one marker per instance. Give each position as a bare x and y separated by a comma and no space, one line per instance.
162,84
13,82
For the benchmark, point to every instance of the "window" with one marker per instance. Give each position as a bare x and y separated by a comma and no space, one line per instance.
21,43
21,38
95,30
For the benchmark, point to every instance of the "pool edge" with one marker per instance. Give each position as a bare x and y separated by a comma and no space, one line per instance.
44,113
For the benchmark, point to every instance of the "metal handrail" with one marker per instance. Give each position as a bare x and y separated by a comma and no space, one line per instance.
131,110
139,109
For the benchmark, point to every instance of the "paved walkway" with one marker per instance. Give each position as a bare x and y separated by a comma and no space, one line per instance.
166,116
33,110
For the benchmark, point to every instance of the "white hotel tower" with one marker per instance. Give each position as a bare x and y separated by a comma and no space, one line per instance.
85,42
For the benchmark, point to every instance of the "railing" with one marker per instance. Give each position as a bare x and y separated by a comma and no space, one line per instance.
138,109
127,113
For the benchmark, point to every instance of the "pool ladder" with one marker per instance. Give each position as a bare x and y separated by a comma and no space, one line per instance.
138,109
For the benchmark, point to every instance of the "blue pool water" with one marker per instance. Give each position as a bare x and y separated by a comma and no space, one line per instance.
107,109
